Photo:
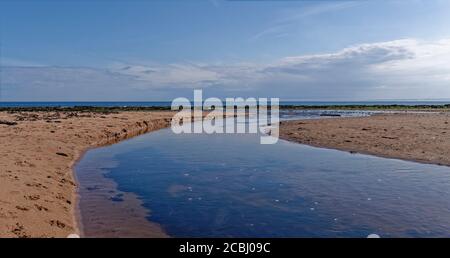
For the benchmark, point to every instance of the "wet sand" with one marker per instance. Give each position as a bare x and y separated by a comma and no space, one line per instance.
104,210
39,149
423,137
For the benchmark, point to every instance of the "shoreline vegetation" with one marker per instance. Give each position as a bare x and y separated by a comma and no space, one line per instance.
40,145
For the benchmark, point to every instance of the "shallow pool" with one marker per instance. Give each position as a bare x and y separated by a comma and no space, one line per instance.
222,185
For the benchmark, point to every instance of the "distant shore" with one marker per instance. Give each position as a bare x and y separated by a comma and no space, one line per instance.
420,137
389,107
100,109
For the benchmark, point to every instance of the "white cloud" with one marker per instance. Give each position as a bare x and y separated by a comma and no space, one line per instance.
175,74
407,68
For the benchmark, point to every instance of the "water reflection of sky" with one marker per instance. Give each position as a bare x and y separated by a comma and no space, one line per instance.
230,185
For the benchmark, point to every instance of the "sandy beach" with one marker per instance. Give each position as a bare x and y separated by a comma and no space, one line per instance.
37,185
420,137
38,189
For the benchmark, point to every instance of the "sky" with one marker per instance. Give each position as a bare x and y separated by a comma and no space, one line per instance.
151,50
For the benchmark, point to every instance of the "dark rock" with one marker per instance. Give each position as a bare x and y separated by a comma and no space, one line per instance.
62,154
332,115
4,122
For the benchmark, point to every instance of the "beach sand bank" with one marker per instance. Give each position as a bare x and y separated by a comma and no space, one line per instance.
39,149
420,137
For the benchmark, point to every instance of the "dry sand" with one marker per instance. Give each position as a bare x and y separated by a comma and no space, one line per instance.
421,137
37,186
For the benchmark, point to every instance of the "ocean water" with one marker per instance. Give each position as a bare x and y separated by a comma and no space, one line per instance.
168,103
87,103
228,185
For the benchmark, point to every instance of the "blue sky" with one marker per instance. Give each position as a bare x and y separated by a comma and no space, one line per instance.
158,50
